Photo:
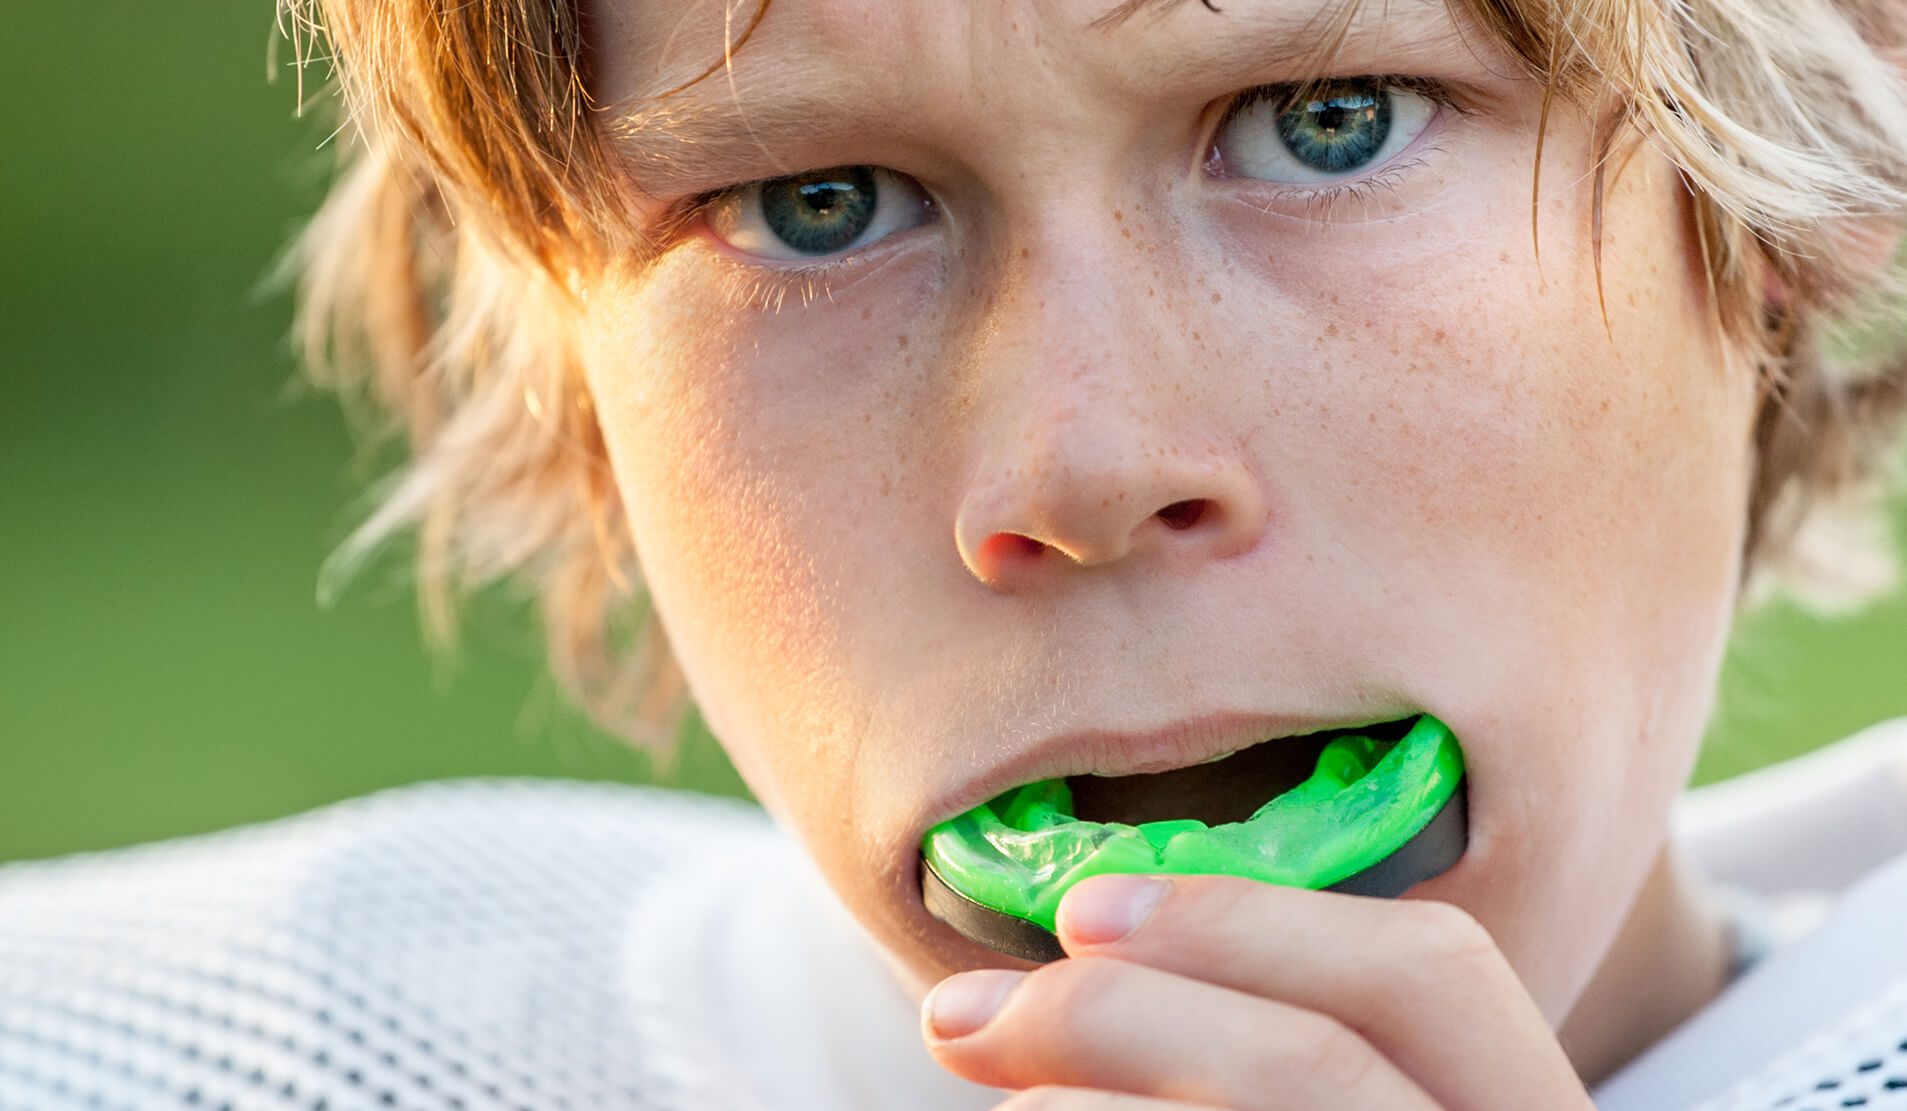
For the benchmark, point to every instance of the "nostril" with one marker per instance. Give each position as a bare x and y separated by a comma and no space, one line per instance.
1009,547
1183,514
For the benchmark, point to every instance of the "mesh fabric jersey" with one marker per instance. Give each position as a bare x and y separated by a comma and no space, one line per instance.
467,944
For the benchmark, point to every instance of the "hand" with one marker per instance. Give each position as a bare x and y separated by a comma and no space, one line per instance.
1234,993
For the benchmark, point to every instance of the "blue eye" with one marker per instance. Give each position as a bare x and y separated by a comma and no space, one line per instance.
816,213
1338,128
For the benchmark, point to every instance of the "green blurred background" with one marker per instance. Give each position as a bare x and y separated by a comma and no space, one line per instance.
167,493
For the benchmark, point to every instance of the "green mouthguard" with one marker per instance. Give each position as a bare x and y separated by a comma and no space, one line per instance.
1018,853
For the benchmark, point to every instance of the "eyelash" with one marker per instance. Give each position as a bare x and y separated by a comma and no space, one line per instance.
1441,93
750,284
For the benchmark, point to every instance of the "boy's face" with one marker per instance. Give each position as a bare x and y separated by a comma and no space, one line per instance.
1325,461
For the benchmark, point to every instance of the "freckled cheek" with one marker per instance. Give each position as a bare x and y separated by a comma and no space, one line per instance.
756,464
1482,397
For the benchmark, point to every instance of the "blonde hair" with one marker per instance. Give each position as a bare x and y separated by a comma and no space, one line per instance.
475,178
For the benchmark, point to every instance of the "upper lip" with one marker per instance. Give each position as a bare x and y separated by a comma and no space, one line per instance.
1116,752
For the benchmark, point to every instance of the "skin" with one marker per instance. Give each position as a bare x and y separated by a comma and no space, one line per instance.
901,530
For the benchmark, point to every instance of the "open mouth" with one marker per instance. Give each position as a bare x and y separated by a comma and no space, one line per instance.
1367,809
1229,789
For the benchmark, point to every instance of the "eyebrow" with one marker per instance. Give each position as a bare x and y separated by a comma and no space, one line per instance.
700,137
671,144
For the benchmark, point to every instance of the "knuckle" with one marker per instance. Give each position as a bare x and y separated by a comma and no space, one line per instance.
1452,934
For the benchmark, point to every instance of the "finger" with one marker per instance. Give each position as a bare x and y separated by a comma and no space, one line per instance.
1114,1025
1048,1097
1422,980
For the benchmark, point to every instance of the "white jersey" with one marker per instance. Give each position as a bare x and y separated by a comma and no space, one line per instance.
530,945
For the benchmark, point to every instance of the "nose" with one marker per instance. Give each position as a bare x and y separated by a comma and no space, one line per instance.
1098,511
1115,445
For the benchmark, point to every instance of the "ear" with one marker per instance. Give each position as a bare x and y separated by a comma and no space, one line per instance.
1869,243
1866,244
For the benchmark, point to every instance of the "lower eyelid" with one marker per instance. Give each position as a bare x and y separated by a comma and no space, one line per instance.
765,278
825,264
1314,207
1396,167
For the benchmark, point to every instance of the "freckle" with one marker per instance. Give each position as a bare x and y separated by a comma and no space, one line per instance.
1503,257
1149,292
1126,232
887,485
1118,215
1025,252
903,339
866,311
1217,297
1330,327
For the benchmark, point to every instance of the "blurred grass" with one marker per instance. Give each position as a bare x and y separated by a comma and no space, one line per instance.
167,498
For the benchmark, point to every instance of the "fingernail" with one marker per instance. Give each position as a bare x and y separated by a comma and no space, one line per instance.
961,1004
1102,909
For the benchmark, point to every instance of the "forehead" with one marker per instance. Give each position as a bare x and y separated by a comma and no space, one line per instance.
651,45
809,66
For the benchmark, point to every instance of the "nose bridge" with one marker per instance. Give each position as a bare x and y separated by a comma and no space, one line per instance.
1084,378
1083,311
1092,437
